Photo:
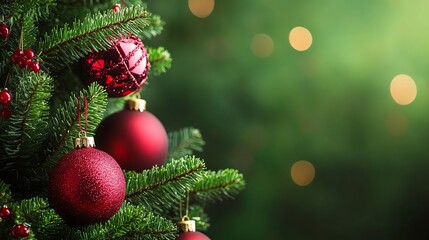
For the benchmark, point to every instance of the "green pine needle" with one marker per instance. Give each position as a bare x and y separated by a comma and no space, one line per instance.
64,125
5,193
44,222
160,60
131,222
94,33
163,187
218,185
27,128
184,142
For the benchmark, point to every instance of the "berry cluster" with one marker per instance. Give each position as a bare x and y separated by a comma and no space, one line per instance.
19,230
25,59
5,99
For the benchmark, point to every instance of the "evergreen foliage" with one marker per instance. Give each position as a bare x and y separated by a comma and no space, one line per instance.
45,117
217,185
184,142
94,33
163,187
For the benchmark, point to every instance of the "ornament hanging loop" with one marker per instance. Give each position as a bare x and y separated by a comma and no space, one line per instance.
83,141
186,224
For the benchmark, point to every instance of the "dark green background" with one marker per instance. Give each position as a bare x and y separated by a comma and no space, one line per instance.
329,105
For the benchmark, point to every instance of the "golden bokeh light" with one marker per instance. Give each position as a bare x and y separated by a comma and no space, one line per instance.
201,8
403,89
262,45
300,38
302,172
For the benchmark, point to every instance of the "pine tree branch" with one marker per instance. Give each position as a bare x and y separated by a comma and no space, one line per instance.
131,222
34,9
64,126
160,60
163,187
5,193
218,185
26,128
184,142
94,33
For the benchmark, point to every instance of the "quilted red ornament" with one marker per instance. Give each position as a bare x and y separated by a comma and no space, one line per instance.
122,69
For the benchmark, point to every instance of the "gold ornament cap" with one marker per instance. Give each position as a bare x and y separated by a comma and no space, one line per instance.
84,142
135,104
186,225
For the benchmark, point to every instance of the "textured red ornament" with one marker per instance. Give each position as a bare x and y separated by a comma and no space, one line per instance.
86,186
136,140
192,236
121,69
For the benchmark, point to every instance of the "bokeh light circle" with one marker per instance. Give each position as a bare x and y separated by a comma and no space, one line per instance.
403,89
300,38
262,45
303,172
201,8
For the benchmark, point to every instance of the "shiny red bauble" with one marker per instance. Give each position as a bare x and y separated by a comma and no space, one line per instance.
86,186
192,236
136,140
116,8
122,69
19,230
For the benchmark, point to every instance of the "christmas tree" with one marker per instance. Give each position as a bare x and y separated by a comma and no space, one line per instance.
68,69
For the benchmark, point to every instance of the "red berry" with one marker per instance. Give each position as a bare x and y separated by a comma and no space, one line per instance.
24,62
29,54
116,8
35,67
6,113
19,230
24,231
16,56
5,97
5,212
4,31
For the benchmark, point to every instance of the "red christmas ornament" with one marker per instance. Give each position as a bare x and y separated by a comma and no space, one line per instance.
116,8
5,213
192,236
4,31
6,113
20,230
5,97
122,69
87,185
187,230
135,138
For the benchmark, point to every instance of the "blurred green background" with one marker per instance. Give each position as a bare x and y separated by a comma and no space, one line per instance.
330,105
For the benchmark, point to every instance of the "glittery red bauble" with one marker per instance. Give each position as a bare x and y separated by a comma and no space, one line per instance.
137,140
122,69
192,236
86,186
